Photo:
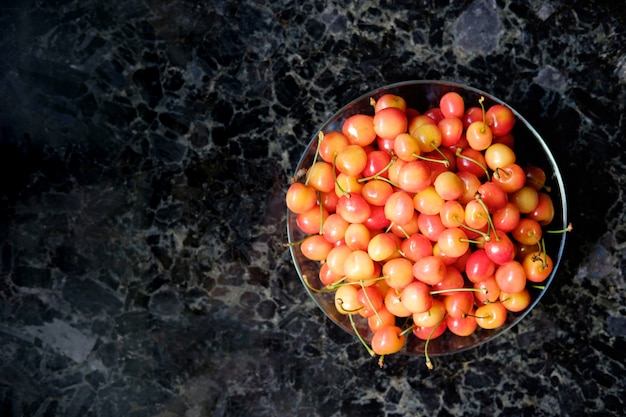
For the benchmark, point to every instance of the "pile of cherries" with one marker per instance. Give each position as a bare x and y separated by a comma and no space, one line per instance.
424,222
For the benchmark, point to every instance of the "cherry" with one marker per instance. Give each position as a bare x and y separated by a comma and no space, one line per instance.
390,100
461,326
346,300
509,177
459,304
377,219
359,129
416,246
332,143
491,315
387,340
544,210
390,122
511,277
499,248
377,164
429,269
498,155
398,273
416,297
493,196
453,242
431,317
383,246
351,160
353,208
479,266
414,176
515,302
300,197
315,247
371,299
500,119
376,192
399,208
382,318
428,201
452,105
537,266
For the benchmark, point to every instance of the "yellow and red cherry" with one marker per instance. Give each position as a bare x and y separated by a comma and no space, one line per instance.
507,218
310,222
432,316
429,269
388,340
544,210
430,225
414,176
300,197
382,318
499,247
479,266
377,219
399,208
351,160
359,129
390,122
500,119
461,326
490,291
371,299
527,231
390,100
459,303
416,246
416,297
452,104
510,178
491,315
515,302
353,208
511,276
377,164
332,143
453,242
398,273
498,155
315,247
538,266
451,131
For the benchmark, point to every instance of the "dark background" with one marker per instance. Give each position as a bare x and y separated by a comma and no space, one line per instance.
145,148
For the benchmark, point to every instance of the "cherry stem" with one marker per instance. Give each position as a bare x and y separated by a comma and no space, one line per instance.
496,173
429,363
344,192
540,184
367,297
443,161
377,176
489,220
482,105
320,137
448,290
358,335
480,232
469,158
569,228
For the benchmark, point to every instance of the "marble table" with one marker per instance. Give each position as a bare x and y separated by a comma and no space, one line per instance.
145,148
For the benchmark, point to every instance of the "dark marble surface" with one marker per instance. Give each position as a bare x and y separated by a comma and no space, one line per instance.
145,147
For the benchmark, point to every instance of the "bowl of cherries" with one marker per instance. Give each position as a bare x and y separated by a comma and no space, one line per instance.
426,217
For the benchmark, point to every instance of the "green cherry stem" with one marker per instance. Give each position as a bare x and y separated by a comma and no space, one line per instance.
344,192
469,158
489,220
320,137
358,335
